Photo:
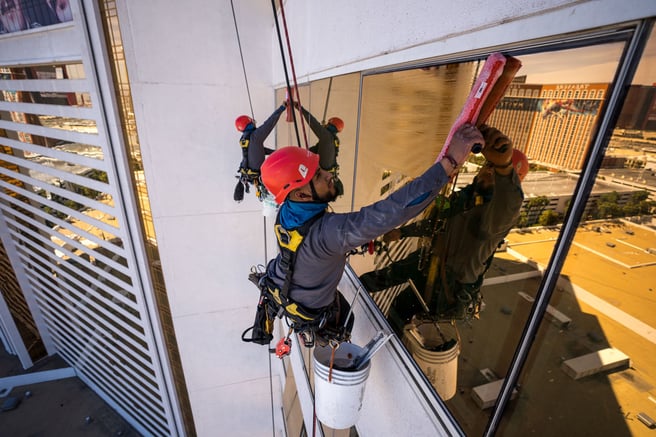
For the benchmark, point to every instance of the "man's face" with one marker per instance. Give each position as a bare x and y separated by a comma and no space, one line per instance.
485,178
11,16
324,188
324,185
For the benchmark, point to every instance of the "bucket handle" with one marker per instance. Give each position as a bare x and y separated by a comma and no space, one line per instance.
334,345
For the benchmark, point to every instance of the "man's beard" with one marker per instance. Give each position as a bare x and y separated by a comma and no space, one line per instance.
328,197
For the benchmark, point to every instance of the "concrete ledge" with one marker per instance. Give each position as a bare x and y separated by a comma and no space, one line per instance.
485,395
595,362
553,315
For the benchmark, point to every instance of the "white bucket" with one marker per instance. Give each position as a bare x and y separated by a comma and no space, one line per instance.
439,366
338,402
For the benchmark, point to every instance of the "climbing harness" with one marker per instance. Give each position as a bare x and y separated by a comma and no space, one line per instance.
311,324
247,176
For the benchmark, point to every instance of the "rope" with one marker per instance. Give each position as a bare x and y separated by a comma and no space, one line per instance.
284,66
241,54
250,102
325,108
291,63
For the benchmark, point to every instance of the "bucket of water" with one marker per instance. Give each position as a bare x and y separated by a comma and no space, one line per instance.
338,393
436,355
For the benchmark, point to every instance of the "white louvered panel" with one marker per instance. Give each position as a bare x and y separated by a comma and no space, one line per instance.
45,85
85,161
120,398
70,177
107,312
108,315
97,255
44,109
89,290
60,134
126,347
99,282
59,222
97,359
73,196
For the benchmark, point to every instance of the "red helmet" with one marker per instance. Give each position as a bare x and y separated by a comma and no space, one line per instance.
337,122
520,162
288,168
242,122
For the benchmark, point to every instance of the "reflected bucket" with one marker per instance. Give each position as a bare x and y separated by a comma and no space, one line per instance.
436,355
338,394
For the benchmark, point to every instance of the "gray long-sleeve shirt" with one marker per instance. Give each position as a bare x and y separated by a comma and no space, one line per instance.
322,256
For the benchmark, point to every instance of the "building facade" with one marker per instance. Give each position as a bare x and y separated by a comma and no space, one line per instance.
124,252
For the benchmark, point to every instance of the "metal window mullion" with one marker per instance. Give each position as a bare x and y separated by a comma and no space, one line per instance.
67,240
66,135
80,112
86,161
45,85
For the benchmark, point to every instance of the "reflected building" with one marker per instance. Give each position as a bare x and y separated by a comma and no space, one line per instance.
551,123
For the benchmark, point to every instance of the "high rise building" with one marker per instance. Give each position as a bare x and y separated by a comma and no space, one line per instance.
551,123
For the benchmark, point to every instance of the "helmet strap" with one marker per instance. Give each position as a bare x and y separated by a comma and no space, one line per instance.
315,196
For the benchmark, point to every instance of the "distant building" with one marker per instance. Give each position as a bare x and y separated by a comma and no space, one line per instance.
538,116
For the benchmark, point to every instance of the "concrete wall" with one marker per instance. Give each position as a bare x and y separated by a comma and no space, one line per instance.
188,87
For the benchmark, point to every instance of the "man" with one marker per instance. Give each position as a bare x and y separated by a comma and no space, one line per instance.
462,233
253,152
327,146
304,283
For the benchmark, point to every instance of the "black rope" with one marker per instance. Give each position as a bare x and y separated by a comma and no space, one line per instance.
284,66
325,108
241,54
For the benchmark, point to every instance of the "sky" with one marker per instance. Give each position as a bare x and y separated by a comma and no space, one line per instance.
587,64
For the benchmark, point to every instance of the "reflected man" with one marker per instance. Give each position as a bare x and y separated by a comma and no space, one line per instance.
461,234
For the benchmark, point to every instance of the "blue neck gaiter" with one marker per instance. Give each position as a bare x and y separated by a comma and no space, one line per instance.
294,214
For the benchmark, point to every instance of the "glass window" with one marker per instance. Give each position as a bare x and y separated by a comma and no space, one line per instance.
457,283
591,369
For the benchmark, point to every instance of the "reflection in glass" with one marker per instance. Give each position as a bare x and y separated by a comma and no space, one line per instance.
550,114
324,99
603,307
